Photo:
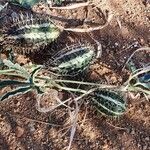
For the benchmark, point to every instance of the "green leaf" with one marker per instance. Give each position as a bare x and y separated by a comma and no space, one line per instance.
17,68
143,85
145,78
33,74
131,66
10,72
15,92
6,71
25,3
3,6
5,83
58,2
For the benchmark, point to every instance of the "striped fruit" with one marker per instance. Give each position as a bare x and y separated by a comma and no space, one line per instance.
73,59
109,102
28,33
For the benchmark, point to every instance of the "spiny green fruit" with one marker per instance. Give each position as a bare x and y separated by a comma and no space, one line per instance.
109,102
26,33
73,59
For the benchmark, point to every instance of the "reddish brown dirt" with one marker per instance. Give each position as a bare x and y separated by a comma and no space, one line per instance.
23,127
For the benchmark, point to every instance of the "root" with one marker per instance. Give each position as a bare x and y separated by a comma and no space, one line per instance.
74,6
82,30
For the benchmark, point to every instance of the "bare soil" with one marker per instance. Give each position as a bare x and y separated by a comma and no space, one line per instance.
23,127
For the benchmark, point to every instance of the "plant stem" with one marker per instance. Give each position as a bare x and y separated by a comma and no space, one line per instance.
54,83
70,89
61,87
87,83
